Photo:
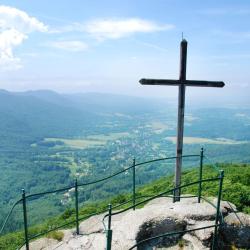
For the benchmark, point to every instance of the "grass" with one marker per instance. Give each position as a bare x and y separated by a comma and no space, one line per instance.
89,141
56,235
77,143
199,140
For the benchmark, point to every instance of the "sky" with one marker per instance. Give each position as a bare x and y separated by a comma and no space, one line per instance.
107,46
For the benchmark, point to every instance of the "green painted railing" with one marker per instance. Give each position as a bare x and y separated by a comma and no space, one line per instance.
25,198
218,217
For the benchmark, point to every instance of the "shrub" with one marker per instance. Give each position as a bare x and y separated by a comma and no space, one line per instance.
57,235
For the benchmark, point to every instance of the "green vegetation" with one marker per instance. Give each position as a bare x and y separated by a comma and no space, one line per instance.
235,189
181,244
48,140
56,235
89,141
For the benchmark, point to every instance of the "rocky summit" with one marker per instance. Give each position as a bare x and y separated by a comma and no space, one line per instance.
157,217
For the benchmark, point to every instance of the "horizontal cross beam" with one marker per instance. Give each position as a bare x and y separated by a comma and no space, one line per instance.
190,83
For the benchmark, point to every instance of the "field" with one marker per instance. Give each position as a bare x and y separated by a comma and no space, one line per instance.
199,140
89,141
158,127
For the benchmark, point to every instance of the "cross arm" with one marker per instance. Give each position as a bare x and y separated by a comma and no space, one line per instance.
190,83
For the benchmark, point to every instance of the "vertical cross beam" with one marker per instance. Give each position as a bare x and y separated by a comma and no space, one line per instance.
180,124
182,83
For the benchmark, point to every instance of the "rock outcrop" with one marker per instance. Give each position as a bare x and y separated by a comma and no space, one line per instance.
157,217
236,230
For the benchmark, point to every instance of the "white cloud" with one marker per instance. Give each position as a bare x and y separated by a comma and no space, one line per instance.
12,18
118,28
15,25
112,28
74,46
8,40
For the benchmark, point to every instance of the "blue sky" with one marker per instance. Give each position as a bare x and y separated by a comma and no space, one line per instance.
107,46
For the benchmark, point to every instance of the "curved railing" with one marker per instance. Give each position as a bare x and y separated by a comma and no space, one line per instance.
218,217
8,215
24,198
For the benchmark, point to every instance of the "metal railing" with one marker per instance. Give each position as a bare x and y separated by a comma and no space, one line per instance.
218,217
77,219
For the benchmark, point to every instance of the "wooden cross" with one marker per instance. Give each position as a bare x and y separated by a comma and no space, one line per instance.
181,83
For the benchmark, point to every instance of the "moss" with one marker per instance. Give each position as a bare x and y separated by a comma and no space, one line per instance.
181,243
57,235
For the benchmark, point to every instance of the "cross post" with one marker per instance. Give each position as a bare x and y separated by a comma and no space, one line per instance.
181,83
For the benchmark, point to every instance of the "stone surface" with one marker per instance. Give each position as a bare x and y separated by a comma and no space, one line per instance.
92,225
236,230
93,241
159,216
203,235
193,243
42,244
237,219
156,227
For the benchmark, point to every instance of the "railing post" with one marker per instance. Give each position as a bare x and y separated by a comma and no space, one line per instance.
177,184
25,220
134,199
109,231
200,174
76,207
215,236
174,195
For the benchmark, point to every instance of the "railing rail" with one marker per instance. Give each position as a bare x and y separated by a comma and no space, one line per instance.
9,214
87,183
218,216
25,198
161,194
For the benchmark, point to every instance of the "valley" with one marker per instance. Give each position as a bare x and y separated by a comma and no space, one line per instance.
48,140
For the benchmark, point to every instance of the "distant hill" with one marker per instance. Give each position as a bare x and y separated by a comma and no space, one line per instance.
39,114
44,113
110,103
48,96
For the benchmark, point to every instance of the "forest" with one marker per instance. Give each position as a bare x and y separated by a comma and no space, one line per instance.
48,140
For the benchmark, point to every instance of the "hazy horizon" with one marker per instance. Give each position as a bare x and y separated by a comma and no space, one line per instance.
209,101
108,47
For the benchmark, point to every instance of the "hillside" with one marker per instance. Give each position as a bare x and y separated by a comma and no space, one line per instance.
47,140
28,116
235,189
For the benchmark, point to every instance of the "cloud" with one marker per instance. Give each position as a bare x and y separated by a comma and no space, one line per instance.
151,45
112,28
118,28
12,18
74,46
9,39
15,25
